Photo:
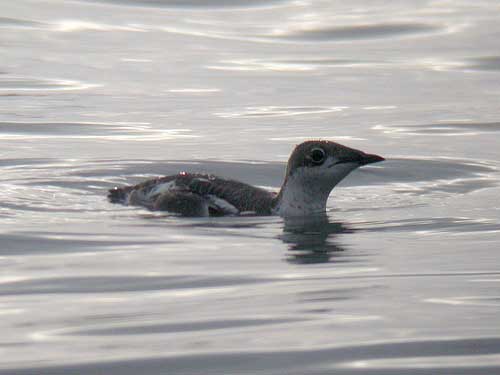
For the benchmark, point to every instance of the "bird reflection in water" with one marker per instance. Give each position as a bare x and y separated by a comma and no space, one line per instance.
310,239
313,239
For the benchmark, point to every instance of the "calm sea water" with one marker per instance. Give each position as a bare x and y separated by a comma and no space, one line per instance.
402,277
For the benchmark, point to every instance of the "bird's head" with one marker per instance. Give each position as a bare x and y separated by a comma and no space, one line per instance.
326,162
314,169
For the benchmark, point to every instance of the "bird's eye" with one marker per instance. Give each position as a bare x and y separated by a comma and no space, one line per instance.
318,155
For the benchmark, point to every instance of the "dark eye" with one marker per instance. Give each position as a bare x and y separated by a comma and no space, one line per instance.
318,155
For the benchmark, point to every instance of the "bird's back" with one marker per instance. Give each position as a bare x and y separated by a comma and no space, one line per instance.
219,193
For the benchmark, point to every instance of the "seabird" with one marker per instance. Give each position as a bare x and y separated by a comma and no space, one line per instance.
313,170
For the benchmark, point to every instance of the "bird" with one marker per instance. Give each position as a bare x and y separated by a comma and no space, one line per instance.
314,168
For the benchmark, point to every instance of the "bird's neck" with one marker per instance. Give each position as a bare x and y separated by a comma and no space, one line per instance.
299,197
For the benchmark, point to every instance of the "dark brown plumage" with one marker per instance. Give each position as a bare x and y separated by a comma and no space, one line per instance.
242,196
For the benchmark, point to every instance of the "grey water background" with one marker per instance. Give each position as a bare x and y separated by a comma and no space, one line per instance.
402,278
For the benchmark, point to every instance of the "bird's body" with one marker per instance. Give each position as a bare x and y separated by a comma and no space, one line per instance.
313,170
202,193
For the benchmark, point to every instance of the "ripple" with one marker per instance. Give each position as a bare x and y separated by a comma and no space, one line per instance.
15,22
487,63
68,25
434,225
295,65
478,64
114,284
17,163
78,25
194,90
433,363
459,128
134,131
147,329
358,32
33,243
338,294
423,176
276,111
467,301
342,360
20,85
293,33
195,4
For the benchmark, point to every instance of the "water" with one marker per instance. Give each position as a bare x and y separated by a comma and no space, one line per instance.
401,277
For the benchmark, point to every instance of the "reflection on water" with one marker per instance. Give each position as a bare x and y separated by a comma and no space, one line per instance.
272,111
13,22
375,31
292,65
17,85
487,63
194,4
313,239
139,131
423,357
316,239
458,128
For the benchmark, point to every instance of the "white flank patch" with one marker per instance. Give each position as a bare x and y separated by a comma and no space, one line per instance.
160,189
222,204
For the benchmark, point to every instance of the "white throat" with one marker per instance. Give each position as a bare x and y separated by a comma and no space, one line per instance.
306,190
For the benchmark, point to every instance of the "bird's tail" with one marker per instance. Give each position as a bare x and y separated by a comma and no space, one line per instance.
117,195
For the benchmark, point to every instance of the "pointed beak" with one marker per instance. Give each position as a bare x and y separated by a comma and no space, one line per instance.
358,157
370,158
